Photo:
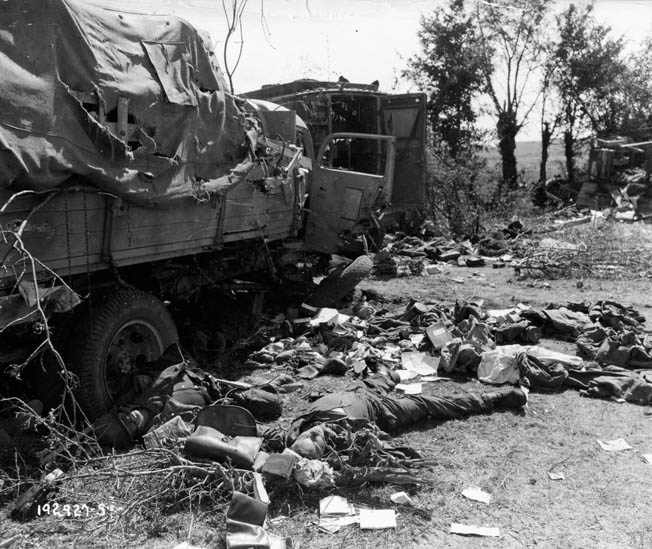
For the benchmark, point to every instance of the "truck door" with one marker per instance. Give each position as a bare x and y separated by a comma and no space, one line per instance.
404,117
351,186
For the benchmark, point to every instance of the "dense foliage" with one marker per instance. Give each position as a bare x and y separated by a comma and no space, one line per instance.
517,59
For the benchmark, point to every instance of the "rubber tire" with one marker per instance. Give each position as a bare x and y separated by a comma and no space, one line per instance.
86,357
341,282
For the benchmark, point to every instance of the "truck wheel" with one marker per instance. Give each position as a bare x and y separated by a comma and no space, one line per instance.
126,330
341,282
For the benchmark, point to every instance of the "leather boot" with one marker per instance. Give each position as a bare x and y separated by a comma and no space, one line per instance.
509,398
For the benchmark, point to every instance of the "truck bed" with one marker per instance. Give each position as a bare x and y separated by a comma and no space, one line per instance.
81,230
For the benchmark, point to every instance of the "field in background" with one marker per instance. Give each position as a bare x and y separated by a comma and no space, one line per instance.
528,156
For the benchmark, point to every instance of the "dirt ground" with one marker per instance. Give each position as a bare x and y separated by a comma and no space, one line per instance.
604,500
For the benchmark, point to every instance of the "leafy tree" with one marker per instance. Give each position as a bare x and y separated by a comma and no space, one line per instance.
491,50
549,118
449,69
637,119
510,44
454,188
589,77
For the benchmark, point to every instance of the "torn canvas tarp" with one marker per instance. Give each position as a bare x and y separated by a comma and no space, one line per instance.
134,103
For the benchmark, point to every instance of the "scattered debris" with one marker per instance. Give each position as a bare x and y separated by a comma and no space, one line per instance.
335,505
336,512
245,521
476,494
401,498
28,505
377,519
556,475
410,388
419,363
616,445
9,542
387,357
484,531
438,335
619,177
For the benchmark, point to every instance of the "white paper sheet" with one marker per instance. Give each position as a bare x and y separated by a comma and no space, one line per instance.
410,388
401,497
377,519
556,475
335,505
421,363
476,494
616,445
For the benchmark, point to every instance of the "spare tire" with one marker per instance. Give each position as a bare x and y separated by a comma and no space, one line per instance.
341,282
116,336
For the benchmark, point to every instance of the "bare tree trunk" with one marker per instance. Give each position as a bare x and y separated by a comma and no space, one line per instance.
569,151
507,130
546,136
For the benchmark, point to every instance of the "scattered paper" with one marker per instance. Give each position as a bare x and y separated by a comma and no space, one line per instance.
335,512
556,476
464,530
401,497
331,525
476,494
647,458
335,505
420,363
416,339
616,445
406,375
329,316
377,519
410,388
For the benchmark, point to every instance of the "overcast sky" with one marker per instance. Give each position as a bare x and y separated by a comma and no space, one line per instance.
363,40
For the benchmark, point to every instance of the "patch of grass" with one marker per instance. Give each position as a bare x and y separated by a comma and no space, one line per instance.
603,502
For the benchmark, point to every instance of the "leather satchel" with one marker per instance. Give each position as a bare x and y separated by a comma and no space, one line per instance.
209,443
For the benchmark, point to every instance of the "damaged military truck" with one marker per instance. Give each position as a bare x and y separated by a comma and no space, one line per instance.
130,177
343,106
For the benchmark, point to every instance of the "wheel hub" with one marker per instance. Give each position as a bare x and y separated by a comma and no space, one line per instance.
125,362
133,345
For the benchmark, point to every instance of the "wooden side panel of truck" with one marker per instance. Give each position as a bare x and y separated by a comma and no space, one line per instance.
81,230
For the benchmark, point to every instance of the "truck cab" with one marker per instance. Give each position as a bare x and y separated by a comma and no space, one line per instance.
340,107
350,182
